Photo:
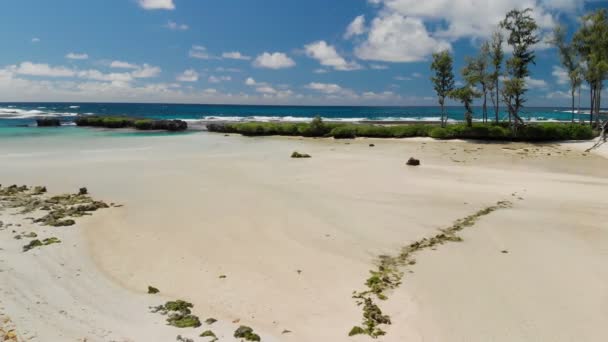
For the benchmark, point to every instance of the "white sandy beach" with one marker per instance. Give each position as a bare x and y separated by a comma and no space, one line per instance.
295,238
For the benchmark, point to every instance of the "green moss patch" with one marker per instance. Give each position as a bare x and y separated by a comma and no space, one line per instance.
388,275
179,314
60,209
37,243
246,333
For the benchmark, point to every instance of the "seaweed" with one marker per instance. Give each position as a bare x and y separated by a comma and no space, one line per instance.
37,243
180,314
388,274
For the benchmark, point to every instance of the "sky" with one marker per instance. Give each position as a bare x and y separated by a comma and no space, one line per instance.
312,52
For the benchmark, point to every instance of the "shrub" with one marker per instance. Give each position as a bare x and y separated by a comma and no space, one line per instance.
344,132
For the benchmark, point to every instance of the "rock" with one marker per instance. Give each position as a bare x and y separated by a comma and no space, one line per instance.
413,162
152,290
297,154
371,145
48,122
83,191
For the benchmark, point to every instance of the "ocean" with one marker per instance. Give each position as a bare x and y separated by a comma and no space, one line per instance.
21,116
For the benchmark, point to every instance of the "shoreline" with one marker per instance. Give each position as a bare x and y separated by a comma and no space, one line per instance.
328,218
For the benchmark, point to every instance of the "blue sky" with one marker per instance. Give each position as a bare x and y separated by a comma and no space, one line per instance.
359,52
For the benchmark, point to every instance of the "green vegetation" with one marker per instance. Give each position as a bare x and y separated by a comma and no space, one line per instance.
388,275
443,81
522,36
126,122
180,314
246,333
38,243
481,131
210,320
60,209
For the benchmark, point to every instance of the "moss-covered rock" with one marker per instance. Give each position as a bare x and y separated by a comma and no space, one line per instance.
297,154
246,333
37,243
152,290
180,314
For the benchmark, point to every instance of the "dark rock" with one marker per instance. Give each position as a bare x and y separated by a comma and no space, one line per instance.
297,154
48,122
413,162
83,191
371,145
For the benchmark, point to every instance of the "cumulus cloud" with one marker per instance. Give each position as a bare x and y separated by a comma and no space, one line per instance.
410,30
156,4
250,81
73,55
378,66
200,52
123,65
328,56
355,28
561,75
535,83
172,25
41,69
235,55
189,75
218,79
146,71
396,38
276,60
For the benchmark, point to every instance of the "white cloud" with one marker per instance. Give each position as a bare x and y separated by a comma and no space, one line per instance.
146,71
123,65
328,56
200,52
266,90
172,25
535,83
416,74
157,4
355,28
396,38
385,95
45,70
276,60
97,75
235,55
378,66
218,79
320,71
73,55
250,81
561,75
222,69
472,18
558,95
402,78
35,40
326,88
189,75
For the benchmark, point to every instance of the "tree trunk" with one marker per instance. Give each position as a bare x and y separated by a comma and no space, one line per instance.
497,102
485,108
573,104
591,103
579,103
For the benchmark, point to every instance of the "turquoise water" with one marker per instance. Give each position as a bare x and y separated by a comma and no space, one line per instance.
16,119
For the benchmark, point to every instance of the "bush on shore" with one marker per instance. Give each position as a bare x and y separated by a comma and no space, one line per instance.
478,131
126,122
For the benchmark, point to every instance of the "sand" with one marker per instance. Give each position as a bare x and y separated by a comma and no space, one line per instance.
295,238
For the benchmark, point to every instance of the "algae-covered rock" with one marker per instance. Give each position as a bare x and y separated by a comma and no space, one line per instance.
207,333
152,290
247,333
38,243
179,312
297,154
210,320
356,331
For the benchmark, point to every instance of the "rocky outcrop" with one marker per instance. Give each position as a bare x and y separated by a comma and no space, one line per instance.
413,162
48,122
